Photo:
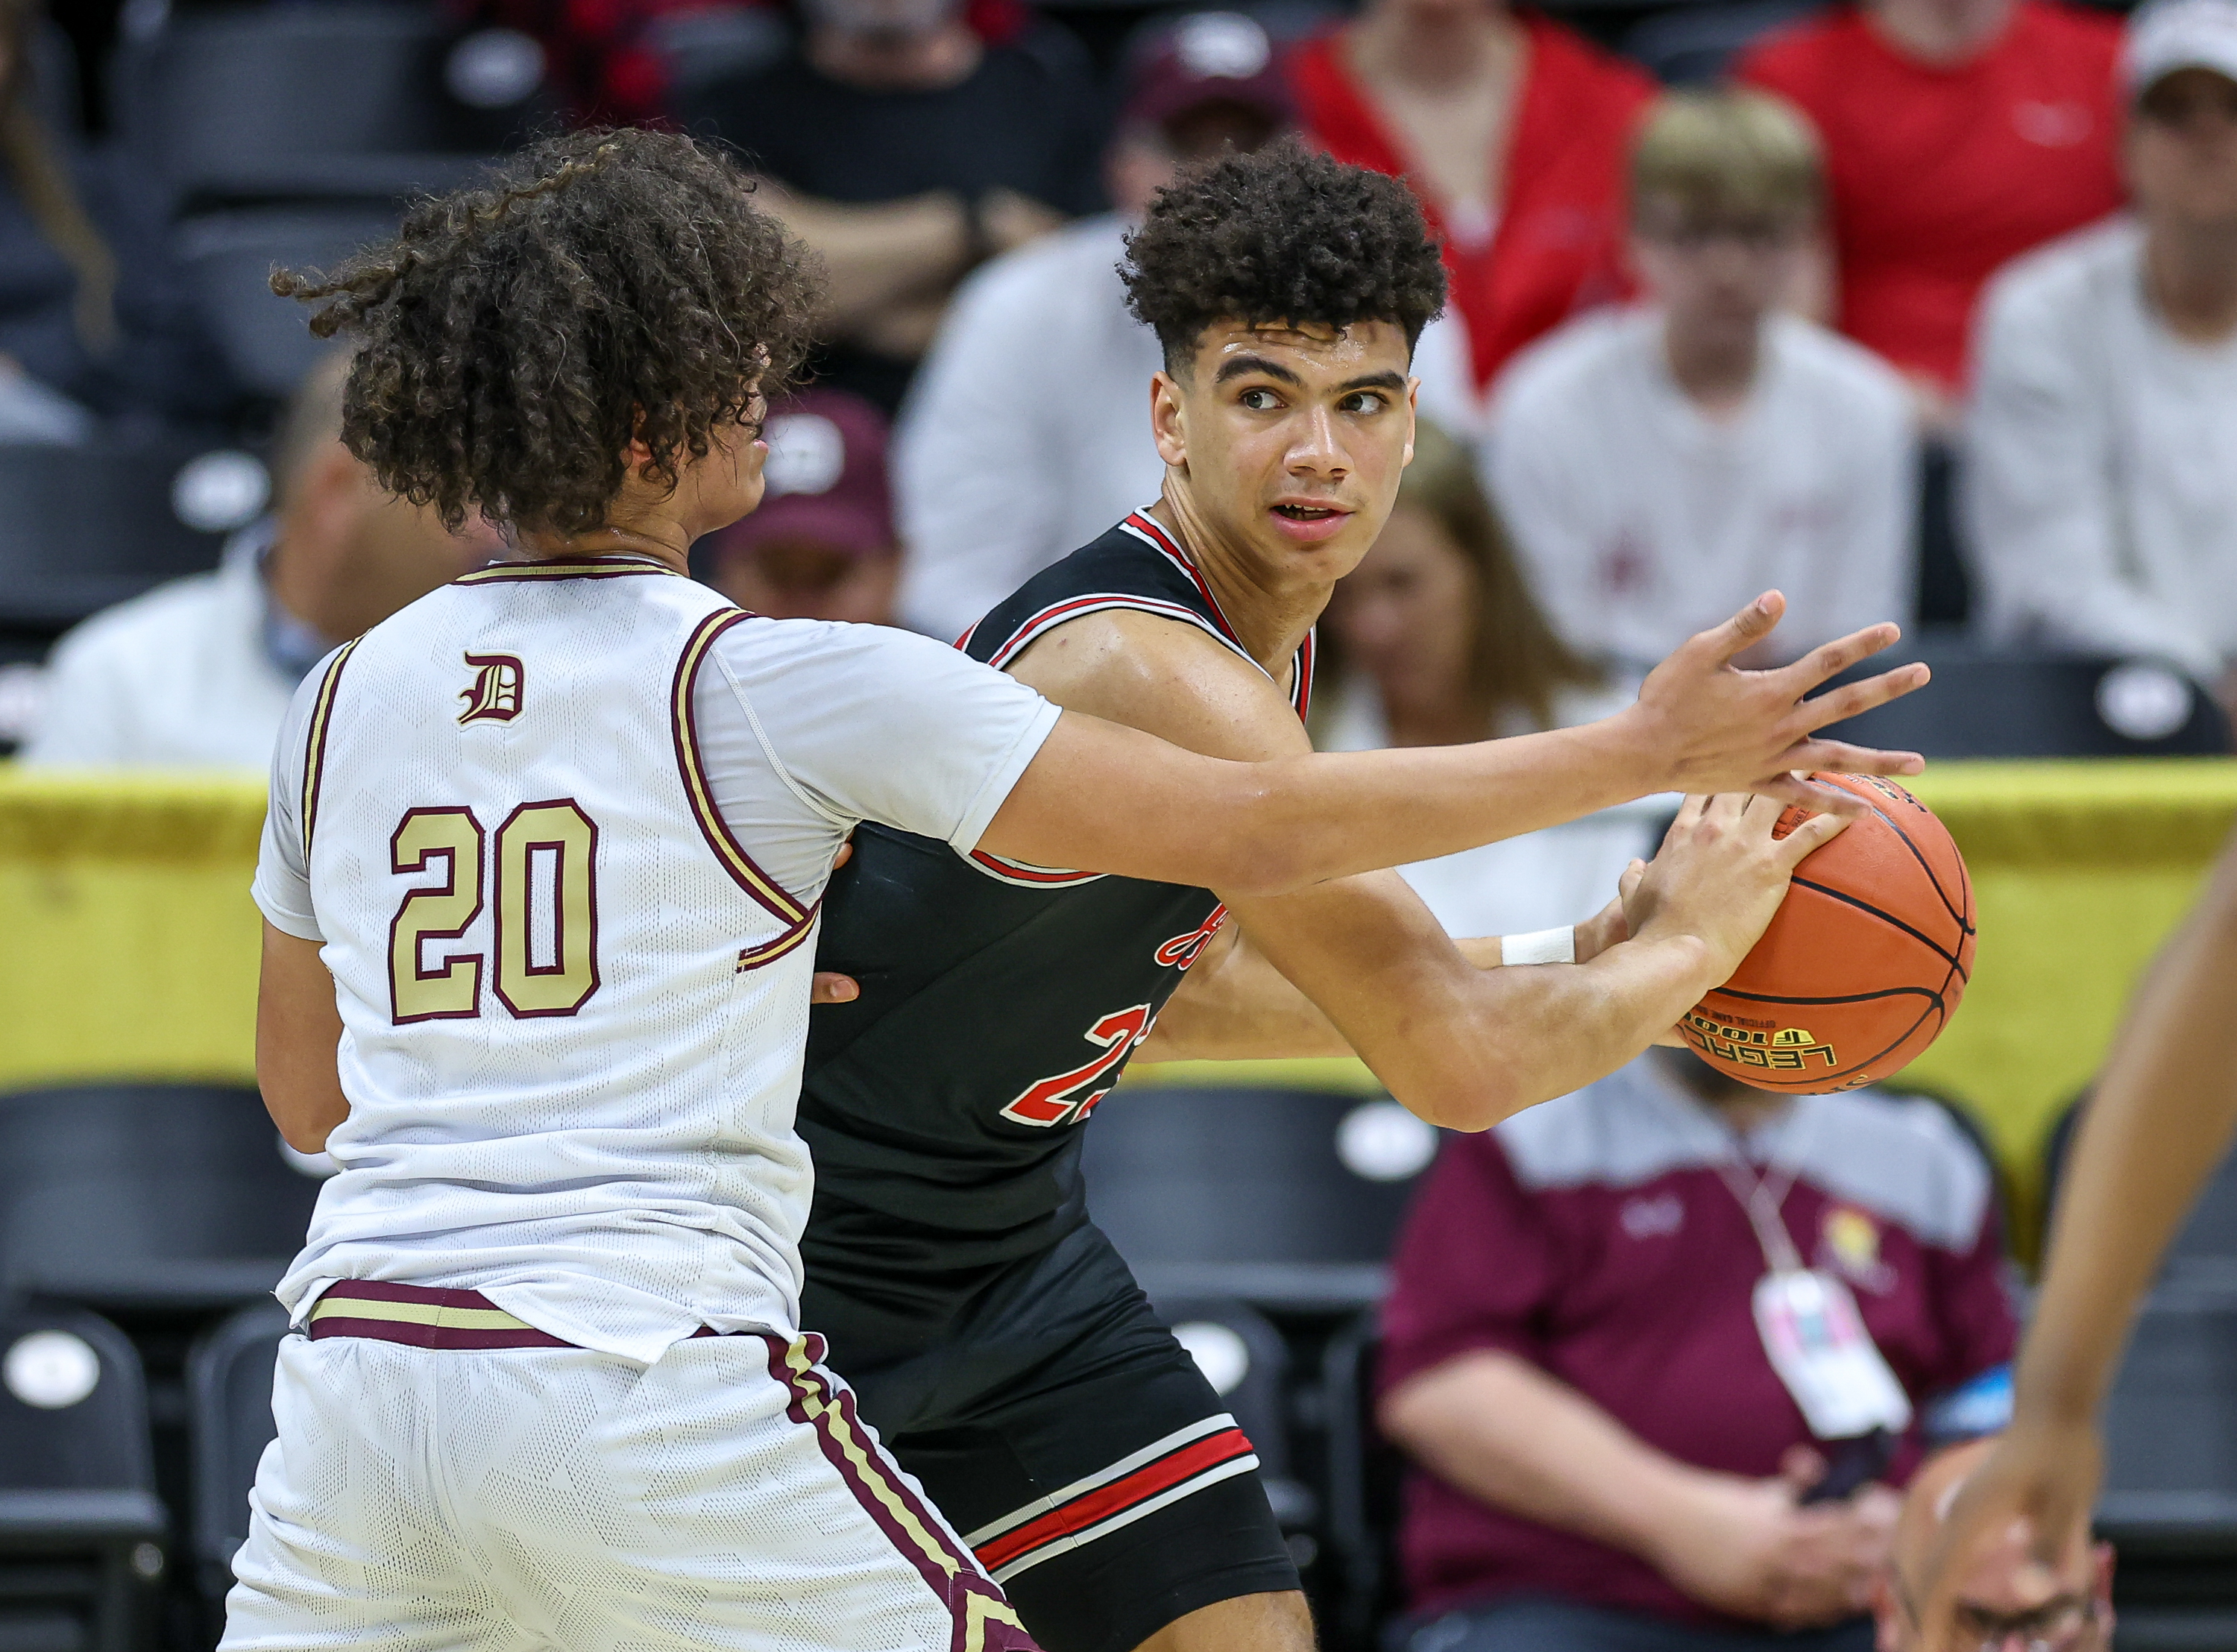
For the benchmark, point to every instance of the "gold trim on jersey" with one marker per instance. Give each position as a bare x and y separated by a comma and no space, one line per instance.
315,746
580,566
749,877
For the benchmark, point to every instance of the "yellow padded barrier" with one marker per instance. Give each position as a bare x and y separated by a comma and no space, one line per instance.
127,941
2080,869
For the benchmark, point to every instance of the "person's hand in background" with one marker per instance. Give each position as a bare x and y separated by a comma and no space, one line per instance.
1752,1548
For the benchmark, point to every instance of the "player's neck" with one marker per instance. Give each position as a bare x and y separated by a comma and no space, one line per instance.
671,550
1271,614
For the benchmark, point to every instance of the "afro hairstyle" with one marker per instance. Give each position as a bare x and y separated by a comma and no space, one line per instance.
515,337
1284,233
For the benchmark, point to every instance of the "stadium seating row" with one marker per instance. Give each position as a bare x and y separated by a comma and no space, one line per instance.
1257,1218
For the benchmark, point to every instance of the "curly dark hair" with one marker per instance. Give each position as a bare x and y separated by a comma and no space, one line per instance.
1284,233
515,337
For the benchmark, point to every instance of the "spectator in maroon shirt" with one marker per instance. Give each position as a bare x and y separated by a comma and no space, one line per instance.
1607,1461
1958,134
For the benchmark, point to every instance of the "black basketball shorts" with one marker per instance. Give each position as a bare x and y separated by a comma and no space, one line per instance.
1064,1432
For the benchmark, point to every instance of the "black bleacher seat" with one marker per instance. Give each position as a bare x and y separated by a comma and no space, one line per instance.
1364,1475
291,102
2169,1505
228,258
1694,45
146,1196
80,529
81,1532
2013,703
1245,1358
228,1424
1248,1193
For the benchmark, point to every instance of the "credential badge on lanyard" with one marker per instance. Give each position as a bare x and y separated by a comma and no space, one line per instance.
1811,1329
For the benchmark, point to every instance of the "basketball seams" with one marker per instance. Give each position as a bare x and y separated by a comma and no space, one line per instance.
1892,922
1862,885
1965,918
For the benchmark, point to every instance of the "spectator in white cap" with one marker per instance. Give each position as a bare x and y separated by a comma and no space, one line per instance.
997,478
823,545
2101,487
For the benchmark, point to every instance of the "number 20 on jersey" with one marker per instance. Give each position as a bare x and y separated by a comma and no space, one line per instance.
542,881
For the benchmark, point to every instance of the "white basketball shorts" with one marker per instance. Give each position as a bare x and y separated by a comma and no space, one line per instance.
725,1496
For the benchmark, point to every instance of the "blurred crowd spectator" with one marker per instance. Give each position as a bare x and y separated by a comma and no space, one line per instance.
822,546
1959,134
198,673
1028,432
1607,1460
906,150
1434,640
1661,466
95,322
1512,129
2103,444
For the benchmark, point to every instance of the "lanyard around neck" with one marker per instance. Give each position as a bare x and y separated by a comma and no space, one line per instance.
1762,1194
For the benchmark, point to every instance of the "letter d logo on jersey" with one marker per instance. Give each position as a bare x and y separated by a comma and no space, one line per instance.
495,697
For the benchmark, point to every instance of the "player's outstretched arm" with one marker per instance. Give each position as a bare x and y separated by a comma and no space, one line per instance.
1235,1005
1465,1047
1106,797
298,1032
2160,1121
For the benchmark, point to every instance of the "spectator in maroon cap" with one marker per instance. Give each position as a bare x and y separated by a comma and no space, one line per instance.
1512,129
1958,134
1609,1462
823,545
998,477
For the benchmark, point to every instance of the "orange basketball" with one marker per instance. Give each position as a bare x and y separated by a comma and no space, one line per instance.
1864,964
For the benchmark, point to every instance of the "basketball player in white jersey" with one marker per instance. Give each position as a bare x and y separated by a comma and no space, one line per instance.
542,865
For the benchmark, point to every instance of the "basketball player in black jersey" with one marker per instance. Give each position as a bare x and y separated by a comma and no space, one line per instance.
993,1334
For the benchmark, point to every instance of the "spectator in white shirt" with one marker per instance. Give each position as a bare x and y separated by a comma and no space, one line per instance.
198,673
2101,444
1027,430
1432,640
1660,465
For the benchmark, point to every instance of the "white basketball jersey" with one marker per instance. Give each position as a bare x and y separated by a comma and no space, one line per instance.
574,1008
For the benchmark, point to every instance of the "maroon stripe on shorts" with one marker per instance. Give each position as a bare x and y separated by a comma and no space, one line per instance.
414,1333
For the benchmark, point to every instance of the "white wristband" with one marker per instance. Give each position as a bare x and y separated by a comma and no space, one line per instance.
1540,946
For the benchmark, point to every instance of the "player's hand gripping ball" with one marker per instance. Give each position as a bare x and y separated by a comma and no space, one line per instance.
1864,962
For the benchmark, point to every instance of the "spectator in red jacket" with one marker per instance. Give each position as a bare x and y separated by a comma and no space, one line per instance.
1958,134
1511,129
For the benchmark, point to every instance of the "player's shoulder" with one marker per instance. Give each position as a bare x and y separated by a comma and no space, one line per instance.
1154,673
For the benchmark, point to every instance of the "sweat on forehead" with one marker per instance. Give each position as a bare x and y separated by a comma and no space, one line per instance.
1282,238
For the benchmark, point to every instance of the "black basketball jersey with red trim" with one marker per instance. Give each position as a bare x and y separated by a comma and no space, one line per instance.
1000,1001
